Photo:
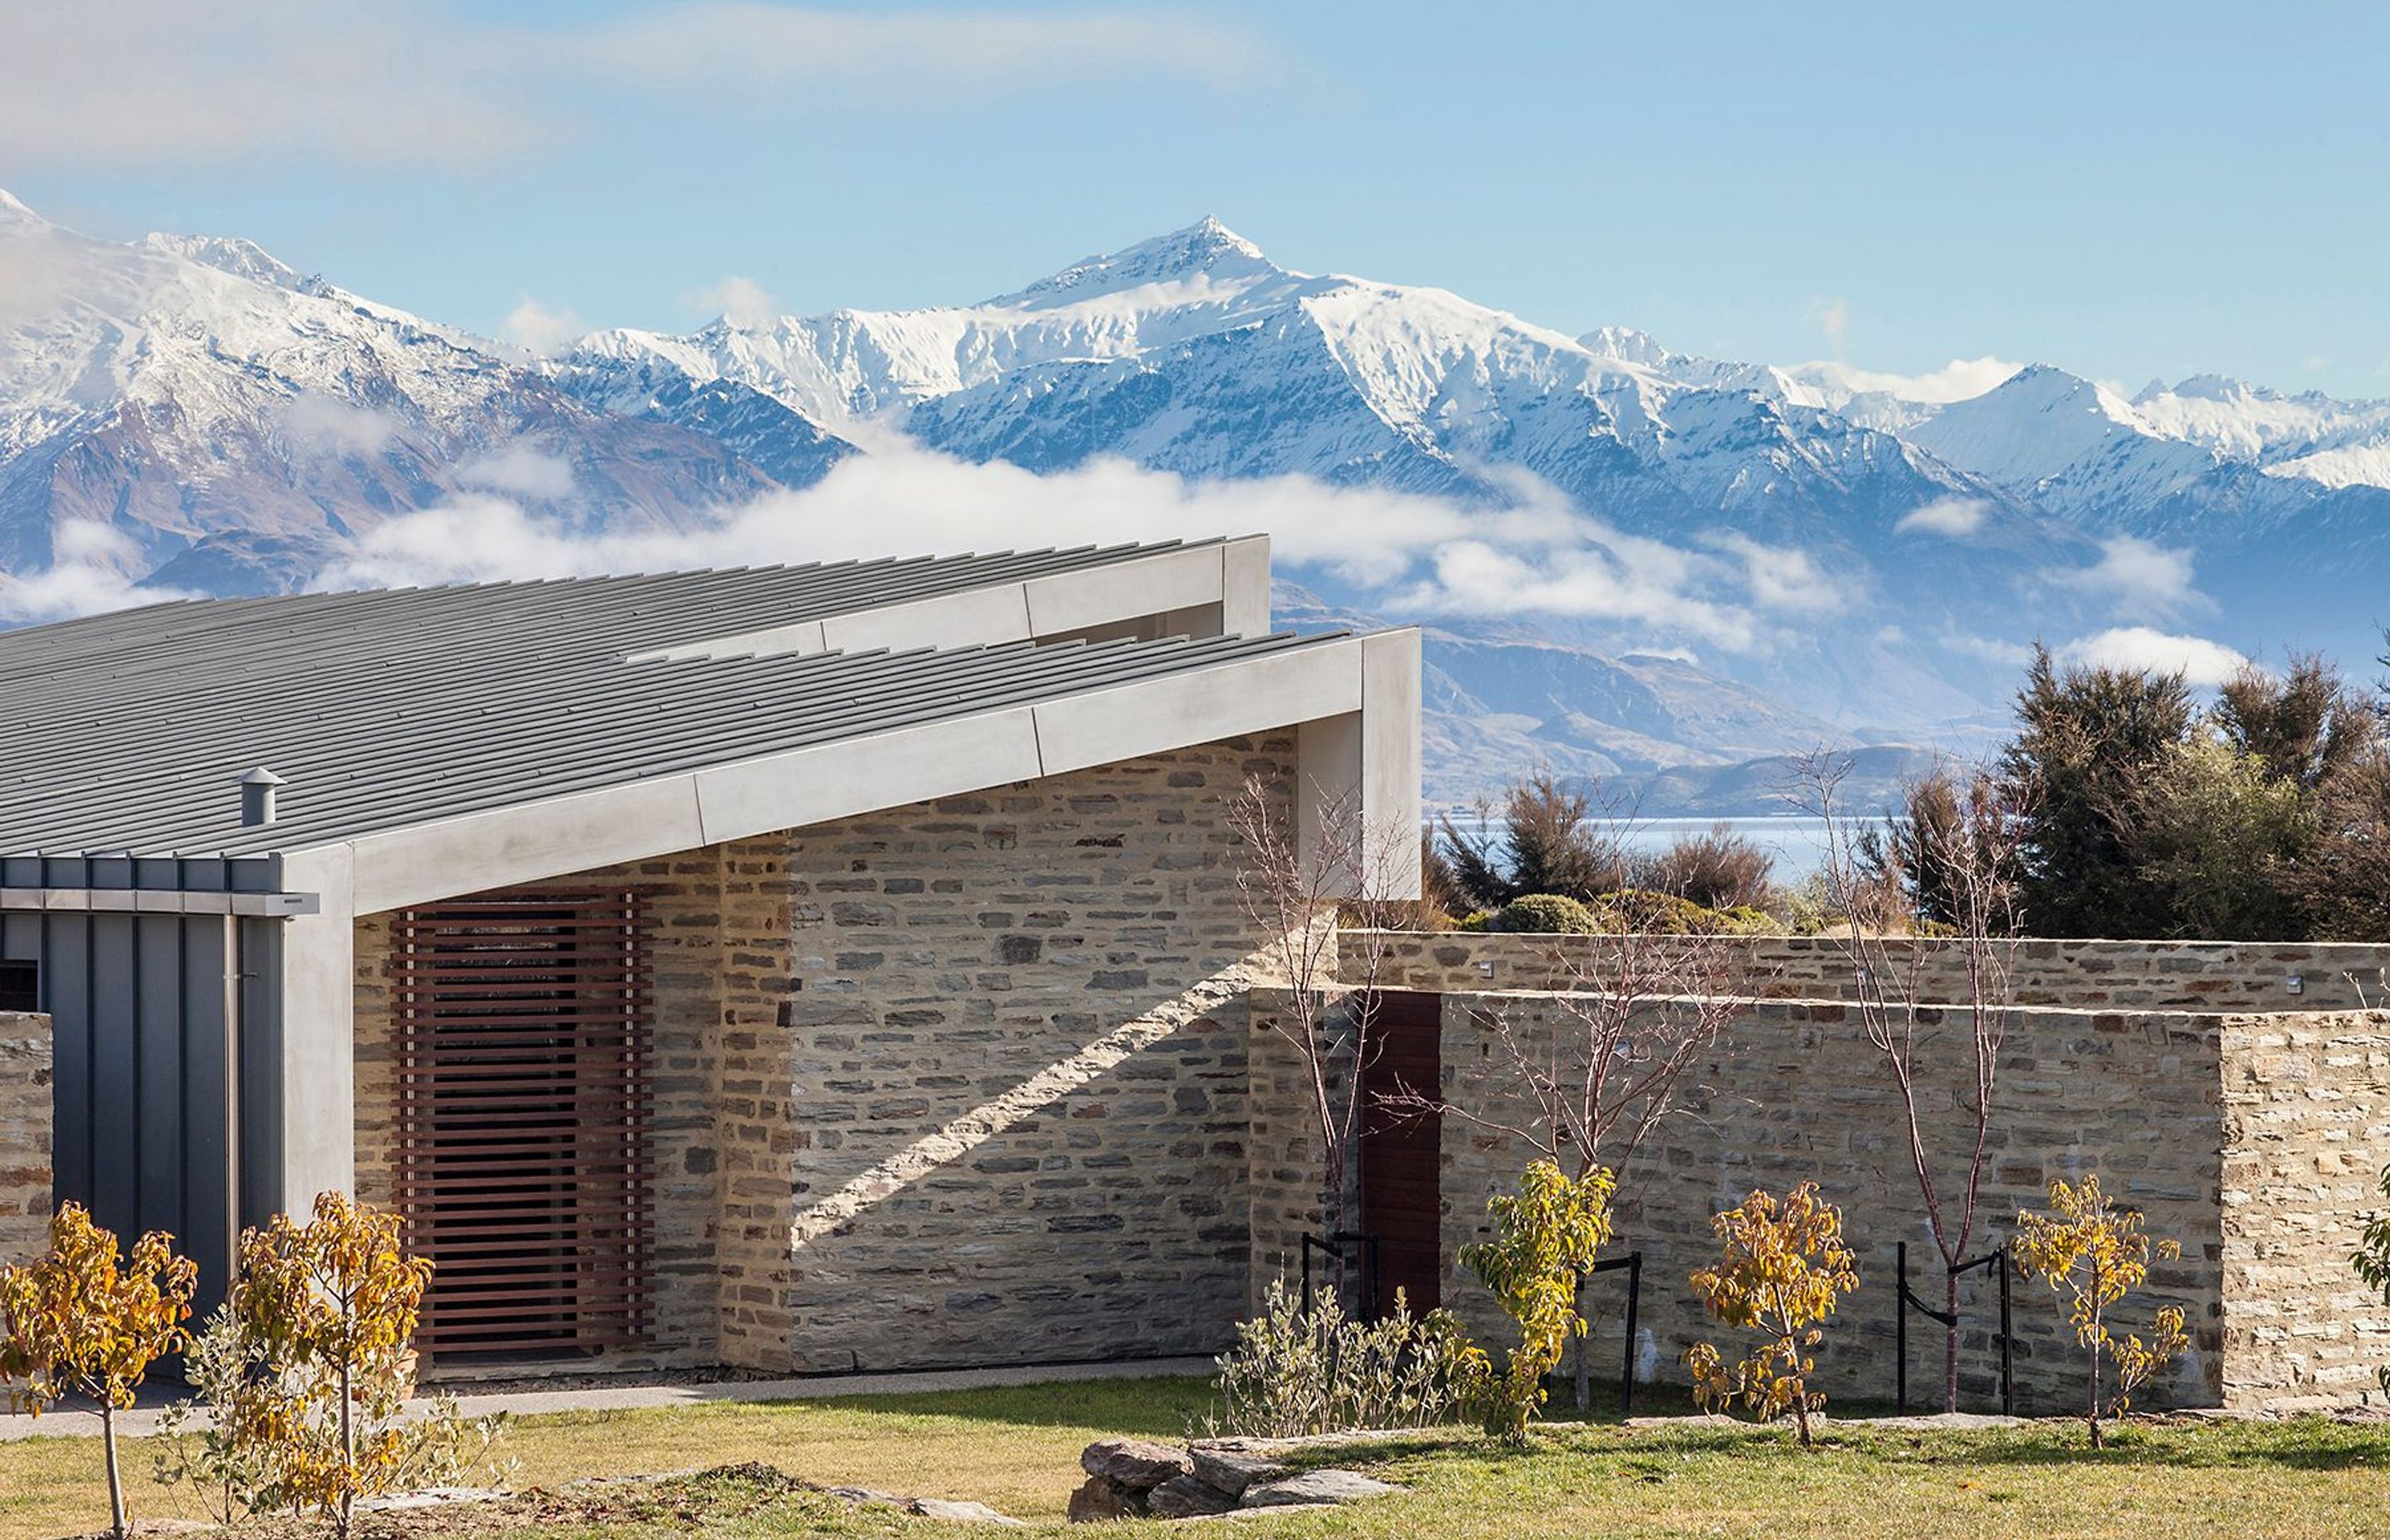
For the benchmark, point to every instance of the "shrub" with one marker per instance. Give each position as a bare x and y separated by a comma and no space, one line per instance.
1640,912
77,1322
304,1372
1781,1270
1545,915
2092,1254
1545,1236
1717,870
1297,1371
1549,842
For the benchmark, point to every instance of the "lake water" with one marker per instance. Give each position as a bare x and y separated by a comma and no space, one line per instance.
1796,844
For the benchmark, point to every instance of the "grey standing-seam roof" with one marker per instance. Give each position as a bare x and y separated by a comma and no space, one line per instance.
126,734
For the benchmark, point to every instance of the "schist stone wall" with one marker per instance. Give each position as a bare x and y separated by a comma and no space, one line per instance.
2251,1139
960,1083
24,1135
2154,975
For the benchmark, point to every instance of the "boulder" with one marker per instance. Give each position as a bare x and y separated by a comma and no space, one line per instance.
1232,1473
1316,1486
1138,1464
1101,1497
1188,1497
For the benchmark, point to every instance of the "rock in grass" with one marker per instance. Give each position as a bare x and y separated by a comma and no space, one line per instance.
1188,1497
1232,1473
1135,1462
1101,1497
1316,1486
959,1513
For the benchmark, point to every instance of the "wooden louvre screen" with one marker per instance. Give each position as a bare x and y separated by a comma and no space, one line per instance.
524,1048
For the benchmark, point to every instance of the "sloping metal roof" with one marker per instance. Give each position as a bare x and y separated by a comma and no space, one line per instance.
126,734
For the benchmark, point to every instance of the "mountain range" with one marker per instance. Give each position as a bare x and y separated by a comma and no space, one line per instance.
1651,568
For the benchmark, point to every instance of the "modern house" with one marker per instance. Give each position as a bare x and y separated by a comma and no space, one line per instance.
800,968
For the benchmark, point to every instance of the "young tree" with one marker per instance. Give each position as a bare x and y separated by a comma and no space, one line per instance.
1966,860
2092,1254
1295,885
1720,869
1783,1268
1546,1237
1602,1064
77,1321
329,1308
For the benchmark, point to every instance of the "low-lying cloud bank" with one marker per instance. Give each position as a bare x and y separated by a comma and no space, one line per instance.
1533,553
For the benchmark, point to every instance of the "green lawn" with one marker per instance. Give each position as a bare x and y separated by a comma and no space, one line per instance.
1017,1449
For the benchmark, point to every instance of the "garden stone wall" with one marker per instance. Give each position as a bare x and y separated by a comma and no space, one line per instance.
25,1191
2147,975
2251,1139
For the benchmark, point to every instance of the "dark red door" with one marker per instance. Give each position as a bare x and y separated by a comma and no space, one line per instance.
1401,1200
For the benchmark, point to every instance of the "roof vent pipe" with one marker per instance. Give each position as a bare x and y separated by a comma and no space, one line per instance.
257,797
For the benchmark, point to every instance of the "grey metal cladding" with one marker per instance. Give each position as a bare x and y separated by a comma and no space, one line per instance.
127,733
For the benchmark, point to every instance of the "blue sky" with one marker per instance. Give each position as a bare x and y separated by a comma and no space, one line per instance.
2127,190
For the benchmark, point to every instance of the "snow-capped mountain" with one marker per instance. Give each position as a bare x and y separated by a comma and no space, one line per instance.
236,423
1644,563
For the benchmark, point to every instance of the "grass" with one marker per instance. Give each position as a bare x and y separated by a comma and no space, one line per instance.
1016,1450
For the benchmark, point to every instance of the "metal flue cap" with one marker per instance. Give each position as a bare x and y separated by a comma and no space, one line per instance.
257,796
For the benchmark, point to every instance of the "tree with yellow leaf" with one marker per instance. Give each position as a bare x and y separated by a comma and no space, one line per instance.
325,1310
1783,1268
2092,1254
1546,1235
82,1320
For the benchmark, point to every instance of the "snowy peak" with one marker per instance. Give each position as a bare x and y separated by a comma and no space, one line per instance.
1206,252
242,259
15,212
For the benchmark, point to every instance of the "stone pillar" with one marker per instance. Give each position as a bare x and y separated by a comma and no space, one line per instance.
25,1195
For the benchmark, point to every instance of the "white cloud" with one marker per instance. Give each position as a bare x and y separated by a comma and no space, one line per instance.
1991,650
2199,661
1959,379
1953,518
1532,555
744,302
2139,578
90,570
1781,577
540,328
322,424
154,83
1832,317
518,471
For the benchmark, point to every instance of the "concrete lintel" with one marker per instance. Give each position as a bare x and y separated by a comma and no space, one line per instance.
838,780
1152,585
1202,705
508,845
1161,584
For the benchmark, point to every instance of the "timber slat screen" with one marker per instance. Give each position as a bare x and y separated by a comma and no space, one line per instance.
525,1039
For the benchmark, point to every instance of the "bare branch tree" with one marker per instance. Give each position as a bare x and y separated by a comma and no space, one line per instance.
1294,883
1958,841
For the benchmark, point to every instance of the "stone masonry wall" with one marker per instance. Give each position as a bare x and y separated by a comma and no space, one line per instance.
2155,975
2307,1124
719,948
1019,1076
1794,1093
25,1192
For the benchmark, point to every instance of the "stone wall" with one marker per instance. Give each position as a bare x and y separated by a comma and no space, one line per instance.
2251,1139
25,1195
2307,1124
719,949
2155,975
958,1082
1020,1071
